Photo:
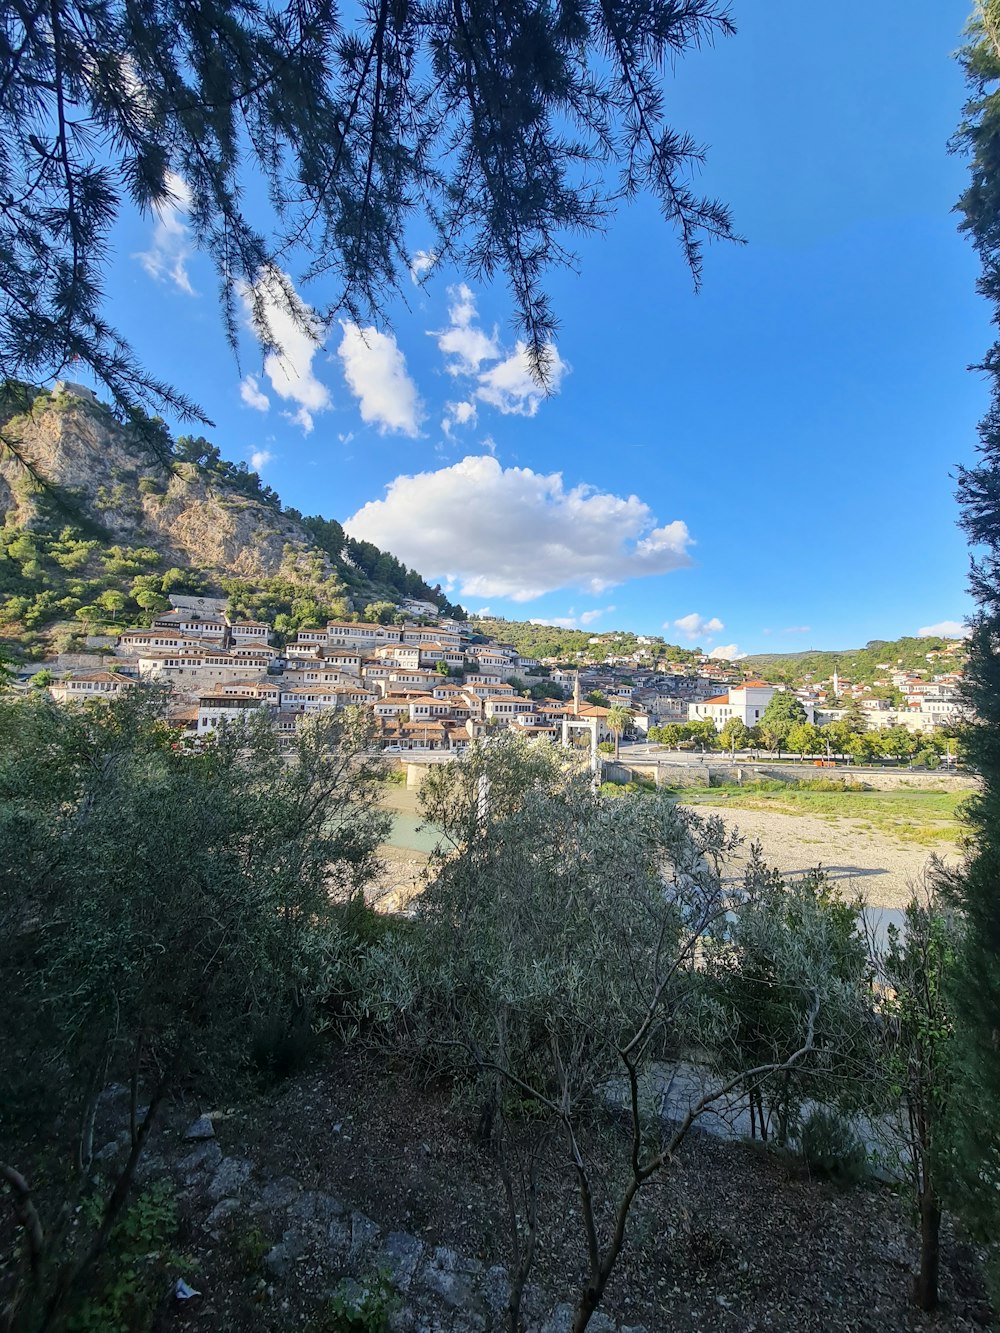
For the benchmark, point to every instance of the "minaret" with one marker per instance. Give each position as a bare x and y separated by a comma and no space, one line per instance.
576,695
836,684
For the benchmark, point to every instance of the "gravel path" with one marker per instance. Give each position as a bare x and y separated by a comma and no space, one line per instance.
858,859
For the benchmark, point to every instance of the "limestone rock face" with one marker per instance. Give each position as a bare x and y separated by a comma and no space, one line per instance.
101,472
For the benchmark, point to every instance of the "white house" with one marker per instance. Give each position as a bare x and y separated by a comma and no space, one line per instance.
89,685
746,702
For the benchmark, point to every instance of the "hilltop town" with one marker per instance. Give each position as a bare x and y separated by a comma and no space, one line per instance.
144,558
436,684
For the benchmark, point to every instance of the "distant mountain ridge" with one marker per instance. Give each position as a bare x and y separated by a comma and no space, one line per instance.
863,666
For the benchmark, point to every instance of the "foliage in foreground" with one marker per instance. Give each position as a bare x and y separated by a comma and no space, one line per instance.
155,905
978,988
582,969
558,976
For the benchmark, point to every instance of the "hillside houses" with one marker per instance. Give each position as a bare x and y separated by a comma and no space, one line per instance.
437,687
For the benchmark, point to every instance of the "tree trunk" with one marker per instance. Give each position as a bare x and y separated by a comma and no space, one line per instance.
589,1300
925,1287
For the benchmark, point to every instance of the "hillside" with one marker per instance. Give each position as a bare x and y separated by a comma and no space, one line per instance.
568,644
101,520
862,666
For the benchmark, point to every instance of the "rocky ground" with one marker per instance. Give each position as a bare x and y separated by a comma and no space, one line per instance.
360,1166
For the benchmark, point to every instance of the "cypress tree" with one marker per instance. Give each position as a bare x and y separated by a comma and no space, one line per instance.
976,1157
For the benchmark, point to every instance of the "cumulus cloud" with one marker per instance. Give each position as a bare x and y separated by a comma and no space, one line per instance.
726,652
458,414
511,386
253,395
421,264
506,383
512,532
944,629
463,343
166,259
375,370
283,321
695,626
260,459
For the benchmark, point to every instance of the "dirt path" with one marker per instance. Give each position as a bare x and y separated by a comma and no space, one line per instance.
858,859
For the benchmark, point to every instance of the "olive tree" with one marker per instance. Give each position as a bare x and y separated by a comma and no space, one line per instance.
557,975
784,943
154,903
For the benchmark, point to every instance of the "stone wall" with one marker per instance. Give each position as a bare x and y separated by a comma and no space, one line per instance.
709,774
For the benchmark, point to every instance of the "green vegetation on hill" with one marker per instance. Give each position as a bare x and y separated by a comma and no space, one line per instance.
66,575
863,666
533,640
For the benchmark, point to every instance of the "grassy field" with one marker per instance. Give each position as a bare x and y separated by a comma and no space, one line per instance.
927,816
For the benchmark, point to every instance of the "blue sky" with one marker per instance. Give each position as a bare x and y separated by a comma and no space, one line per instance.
767,462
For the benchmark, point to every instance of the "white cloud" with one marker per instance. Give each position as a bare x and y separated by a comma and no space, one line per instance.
695,626
301,417
797,629
508,384
421,263
463,341
166,260
458,414
283,321
512,532
572,620
511,386
252,395
260,459
727,652
376,374
944,629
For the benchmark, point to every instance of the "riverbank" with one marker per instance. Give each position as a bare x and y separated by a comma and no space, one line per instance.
859,855
405,855
856,856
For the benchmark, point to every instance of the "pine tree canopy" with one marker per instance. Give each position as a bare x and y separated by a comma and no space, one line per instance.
301,139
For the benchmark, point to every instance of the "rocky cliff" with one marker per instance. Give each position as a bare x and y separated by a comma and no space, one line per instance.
109,477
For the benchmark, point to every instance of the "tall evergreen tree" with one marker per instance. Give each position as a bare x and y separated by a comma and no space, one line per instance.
296,135
977,1160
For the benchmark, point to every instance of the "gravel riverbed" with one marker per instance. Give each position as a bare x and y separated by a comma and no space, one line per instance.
858,859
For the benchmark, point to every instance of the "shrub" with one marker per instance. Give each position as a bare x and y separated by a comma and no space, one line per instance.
355,1308
281,1042
832,1148
130,1280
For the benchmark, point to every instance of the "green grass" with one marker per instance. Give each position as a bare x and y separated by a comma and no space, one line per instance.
927,816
